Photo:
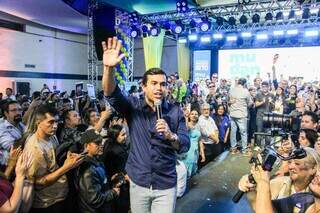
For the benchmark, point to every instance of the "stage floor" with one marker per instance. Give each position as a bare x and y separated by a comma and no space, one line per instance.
213,188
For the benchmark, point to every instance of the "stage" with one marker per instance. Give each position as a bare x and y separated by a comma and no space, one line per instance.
213,188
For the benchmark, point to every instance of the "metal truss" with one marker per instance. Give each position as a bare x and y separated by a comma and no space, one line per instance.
235,10
123,24
93,63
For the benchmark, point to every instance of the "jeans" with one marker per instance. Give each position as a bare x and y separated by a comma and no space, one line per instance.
240,123
148,200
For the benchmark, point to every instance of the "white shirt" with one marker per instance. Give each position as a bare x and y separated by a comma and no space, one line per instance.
207,127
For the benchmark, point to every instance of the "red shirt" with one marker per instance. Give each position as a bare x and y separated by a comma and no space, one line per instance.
6,190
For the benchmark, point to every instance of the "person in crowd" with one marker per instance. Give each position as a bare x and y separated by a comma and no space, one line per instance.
299,202
11,129
211,97
47,178
317,144
209,134
264,104
252,125
308,137
115,156
291,99
179,90
152,157
279,101
240,100
94,193
190,159
45,89
9,94
11,196
309,120
302,171
223,123
97,122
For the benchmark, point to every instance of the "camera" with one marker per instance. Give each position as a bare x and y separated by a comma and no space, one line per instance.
274,120
269,157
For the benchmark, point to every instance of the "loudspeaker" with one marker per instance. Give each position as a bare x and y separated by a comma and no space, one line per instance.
23,88
103,26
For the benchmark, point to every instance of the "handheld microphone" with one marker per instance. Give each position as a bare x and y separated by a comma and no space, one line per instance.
157,104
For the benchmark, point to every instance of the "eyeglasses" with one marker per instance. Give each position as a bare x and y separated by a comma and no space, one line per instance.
15,110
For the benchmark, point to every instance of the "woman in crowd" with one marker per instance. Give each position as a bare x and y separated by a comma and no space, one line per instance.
97,122
279,101
291,100
308,137
317,144
190,159
115,156
222,121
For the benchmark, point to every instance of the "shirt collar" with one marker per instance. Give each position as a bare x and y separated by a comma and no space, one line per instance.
164,104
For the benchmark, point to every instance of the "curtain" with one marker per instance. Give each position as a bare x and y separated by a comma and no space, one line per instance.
183,54
152,47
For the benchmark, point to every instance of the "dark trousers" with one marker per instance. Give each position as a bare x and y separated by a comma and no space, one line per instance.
211,151
58,207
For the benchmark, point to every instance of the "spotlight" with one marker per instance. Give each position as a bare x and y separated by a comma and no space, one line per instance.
278,33
204,25
134,32
177,27
232,20
182,6
205,39
279,16
217,36
311,33
182,40
306,13
193,37
246,34
133,17
255,18
243,19
292,32
269,16
219,21
262,36
154,30
231,38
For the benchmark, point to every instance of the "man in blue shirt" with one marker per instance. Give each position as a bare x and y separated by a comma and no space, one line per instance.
154,142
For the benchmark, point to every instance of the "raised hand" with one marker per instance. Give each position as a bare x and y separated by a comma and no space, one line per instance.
111,52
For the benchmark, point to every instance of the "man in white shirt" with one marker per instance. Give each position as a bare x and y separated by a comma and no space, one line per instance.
9,94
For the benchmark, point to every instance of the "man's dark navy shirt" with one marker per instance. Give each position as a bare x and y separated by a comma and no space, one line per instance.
152,159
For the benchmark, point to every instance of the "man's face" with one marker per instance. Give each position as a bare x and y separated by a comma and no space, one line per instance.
8,92
264,88
14,114
73,119
307,123
253,92
206,111
48,125
155,88
94,149
94,118
300,169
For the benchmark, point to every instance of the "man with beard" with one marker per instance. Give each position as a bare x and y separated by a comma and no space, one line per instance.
11,129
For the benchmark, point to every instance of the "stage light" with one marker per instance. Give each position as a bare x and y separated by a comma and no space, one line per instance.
182,6
278,33
182,40
217,36
205,39
311,33
269,16
219,21
145,28
193,37
177,27
286,13
133,17
246,34
291,15
292,32
279,16
255,18
262,36
204,25
306,13
298,12
134,32
314,10
231,38
232,20
243,19
154,30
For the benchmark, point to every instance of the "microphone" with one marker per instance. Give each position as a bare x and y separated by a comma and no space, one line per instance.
157,104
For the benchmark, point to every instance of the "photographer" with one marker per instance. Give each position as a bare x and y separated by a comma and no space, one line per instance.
94,194
301,171
308,202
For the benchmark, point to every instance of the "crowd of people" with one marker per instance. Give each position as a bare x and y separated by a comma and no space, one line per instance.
118,153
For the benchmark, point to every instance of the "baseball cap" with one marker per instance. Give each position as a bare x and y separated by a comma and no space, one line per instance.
90,136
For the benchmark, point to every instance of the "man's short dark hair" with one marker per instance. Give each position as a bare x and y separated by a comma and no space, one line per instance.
7,104
152,71
242,81
65,114
313,115
265,83
9,89
44,109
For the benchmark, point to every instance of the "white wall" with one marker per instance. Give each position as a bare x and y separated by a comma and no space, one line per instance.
50,50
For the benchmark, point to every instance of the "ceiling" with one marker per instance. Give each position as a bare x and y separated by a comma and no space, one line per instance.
61,15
